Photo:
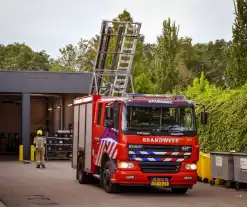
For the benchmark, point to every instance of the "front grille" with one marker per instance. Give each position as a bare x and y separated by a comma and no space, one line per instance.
159,152
159,167
159,148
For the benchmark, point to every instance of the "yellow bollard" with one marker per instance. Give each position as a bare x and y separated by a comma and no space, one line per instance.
21,153
32,150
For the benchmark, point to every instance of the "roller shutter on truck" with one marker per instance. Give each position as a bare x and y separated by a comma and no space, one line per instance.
82,129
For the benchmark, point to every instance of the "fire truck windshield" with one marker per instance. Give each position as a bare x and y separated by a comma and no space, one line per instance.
161,119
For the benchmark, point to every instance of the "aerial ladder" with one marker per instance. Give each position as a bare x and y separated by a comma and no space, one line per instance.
113,65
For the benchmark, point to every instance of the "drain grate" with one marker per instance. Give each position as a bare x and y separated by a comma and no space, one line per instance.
41,200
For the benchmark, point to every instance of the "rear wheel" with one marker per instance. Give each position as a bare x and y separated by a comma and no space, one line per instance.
82,176
237,186
106,183
228,184
179,190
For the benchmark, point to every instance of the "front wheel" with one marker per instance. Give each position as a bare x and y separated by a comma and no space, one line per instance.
108,186
179,190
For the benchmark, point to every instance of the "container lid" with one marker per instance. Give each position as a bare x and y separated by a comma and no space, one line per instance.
240,153
222,153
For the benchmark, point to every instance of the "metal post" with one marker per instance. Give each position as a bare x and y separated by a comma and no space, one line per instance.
26,125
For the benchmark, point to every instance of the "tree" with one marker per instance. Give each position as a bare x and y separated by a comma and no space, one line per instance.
21,57
167,48
236,73
185,76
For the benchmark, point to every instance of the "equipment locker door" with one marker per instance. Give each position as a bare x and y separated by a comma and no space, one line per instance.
75,136
82,124
88,140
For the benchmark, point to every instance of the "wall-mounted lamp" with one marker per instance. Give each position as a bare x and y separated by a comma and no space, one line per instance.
49,109
69,104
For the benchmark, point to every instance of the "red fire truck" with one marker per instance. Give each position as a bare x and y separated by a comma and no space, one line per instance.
132,139
136,140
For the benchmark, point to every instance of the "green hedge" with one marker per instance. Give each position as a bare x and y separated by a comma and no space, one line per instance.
227,121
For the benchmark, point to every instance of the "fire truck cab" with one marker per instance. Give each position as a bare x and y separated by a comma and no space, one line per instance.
136,140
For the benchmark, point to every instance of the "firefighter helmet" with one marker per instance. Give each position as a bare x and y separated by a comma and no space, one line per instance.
39,132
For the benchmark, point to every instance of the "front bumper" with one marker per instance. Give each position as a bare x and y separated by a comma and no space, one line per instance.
176,180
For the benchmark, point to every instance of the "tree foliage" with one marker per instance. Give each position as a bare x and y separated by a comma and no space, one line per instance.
21,57
237,61
227,124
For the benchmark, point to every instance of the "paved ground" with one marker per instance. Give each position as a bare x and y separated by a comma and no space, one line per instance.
20,186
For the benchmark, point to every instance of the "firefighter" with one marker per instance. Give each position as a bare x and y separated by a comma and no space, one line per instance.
39,144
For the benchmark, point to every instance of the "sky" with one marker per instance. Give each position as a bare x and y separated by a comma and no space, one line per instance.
52,24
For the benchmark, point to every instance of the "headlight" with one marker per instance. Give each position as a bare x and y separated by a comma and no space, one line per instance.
125,165
190,167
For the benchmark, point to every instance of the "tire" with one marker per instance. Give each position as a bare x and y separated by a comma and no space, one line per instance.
228,184
105,180
179,190
212,182
237,186
82,176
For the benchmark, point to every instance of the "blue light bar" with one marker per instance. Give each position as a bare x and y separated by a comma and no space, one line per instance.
156,95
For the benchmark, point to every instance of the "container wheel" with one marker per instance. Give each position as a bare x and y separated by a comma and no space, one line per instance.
205,180
228,184
82,176
237,186
108,186
212,182
179,190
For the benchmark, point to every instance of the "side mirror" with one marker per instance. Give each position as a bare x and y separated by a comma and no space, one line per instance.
108,112
204,117
109,123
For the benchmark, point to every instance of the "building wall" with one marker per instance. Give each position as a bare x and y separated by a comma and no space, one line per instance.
44,82
10,118
68,111
38,115
56,115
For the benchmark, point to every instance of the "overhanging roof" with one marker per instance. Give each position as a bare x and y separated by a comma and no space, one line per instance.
44,82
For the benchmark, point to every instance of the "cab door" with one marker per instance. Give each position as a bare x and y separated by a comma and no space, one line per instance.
99,129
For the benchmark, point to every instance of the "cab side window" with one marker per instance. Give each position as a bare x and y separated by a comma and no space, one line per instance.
111,119
99,115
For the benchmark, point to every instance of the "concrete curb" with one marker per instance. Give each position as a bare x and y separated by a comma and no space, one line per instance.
2,204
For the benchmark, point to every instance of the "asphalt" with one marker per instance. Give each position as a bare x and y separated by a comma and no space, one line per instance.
24,185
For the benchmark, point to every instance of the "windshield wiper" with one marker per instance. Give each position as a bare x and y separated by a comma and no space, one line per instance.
169,128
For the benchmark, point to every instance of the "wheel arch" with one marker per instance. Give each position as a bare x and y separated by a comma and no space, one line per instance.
104,159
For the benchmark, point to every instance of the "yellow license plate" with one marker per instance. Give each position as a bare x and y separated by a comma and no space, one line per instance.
157,183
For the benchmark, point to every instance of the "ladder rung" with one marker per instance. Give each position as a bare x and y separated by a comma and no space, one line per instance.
121,53
124,35
128,49
116,91
124,61
128,42
126,56
123,68
132,28
120,86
